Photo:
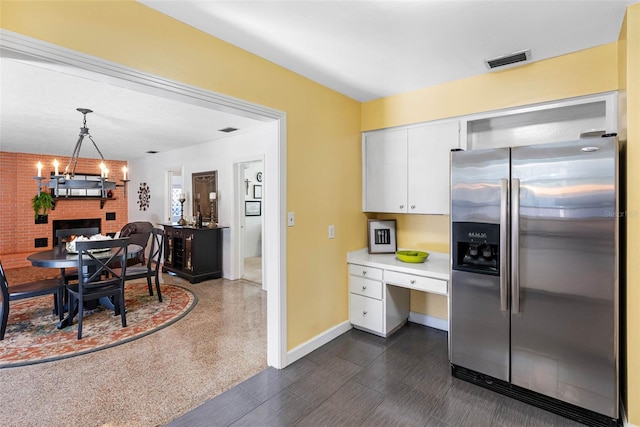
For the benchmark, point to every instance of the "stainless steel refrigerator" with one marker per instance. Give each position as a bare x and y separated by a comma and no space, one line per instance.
534,275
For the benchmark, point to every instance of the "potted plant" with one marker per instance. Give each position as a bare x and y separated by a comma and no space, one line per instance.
41,203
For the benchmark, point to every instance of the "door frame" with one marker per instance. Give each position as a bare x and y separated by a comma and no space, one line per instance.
19,46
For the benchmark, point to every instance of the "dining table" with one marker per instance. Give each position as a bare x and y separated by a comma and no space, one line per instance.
59,258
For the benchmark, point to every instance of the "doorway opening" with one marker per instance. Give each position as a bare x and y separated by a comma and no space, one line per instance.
249,194
45,54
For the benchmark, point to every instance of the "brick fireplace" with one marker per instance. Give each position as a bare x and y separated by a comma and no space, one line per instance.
18,229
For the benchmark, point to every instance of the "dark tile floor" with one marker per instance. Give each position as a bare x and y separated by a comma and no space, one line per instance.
360,379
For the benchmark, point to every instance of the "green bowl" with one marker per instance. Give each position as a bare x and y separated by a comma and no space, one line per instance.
412,256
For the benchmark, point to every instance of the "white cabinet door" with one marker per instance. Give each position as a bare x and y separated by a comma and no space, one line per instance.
385,171
428,165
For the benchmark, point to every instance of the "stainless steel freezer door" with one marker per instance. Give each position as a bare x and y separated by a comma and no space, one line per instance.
479,329
564,337
475,184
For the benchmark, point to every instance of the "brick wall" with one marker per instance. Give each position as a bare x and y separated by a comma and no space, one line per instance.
17,186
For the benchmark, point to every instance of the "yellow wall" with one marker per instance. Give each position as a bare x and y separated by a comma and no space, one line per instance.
323,135
629,80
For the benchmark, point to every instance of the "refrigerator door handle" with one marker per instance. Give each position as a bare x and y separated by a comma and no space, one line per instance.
515,246
504,244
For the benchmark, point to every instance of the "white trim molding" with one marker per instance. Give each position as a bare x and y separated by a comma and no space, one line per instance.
432,322
317,341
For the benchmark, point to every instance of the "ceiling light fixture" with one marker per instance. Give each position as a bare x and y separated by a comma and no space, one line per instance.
67,184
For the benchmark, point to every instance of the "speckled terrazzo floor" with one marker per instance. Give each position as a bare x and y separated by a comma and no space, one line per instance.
150,381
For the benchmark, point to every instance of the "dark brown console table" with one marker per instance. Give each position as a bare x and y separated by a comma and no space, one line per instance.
193,253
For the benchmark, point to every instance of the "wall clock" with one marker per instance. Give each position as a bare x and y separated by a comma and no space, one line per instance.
259,176
144,196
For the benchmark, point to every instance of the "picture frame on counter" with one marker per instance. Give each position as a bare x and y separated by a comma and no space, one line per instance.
252,208
381,236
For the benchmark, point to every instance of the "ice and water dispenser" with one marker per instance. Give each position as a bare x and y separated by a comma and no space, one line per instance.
476,247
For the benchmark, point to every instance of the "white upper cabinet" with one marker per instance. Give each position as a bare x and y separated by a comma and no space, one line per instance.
406,170
384,155
428,166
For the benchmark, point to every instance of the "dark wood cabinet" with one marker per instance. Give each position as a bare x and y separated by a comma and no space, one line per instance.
193,253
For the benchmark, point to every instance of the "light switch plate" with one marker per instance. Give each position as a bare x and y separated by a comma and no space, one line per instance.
332,232
290,219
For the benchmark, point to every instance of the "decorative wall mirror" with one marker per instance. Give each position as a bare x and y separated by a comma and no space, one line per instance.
205,194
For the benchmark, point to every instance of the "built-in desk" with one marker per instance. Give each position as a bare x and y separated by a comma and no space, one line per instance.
380,288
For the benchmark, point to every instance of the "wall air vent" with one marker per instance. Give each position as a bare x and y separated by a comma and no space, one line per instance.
227,130
510,59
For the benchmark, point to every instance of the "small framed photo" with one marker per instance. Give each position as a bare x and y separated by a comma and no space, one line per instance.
382,236
257,191
252,208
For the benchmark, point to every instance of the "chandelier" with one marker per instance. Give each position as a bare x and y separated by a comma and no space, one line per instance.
69,184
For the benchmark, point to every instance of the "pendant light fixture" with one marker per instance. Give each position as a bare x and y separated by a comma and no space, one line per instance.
67,184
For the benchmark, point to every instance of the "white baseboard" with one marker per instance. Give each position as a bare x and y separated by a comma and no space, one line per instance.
432,322
316,342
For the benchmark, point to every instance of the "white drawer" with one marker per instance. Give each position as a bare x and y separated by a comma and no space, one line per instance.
366,287
420,283
368,272
366,312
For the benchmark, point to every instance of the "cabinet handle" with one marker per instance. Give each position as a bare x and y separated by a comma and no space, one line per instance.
364,313
364,288
413,206
401,206
364,272
413,282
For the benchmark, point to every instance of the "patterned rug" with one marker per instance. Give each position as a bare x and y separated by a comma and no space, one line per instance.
32,337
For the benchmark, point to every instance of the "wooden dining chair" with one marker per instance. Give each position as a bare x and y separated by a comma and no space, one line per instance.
149,269
96,279
63,236
27,290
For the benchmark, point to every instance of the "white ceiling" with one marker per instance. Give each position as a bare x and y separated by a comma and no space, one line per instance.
369,49
364,49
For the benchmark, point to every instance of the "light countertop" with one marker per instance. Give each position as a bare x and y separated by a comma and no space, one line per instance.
436,266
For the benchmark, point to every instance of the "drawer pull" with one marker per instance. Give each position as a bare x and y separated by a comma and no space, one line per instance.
401,206
364,272
412,281
364,313
413,206
364,288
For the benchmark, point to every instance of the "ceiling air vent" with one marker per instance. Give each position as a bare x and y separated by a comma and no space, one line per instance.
227,130
504,60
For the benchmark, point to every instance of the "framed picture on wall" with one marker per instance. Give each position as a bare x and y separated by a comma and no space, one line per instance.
382,236
252,208
257,191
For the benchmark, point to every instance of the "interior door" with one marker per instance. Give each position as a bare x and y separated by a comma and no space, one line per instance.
564,320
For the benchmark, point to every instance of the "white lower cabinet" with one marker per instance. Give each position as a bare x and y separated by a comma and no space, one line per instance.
374,307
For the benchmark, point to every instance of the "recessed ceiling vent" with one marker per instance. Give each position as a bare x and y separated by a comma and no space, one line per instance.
228,130
510,59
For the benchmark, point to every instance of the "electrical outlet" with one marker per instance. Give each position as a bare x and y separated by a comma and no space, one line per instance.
290,219
332,232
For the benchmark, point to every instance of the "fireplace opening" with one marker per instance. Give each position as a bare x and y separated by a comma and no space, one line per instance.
64,224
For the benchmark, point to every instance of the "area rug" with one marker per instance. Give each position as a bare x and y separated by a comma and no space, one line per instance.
32,337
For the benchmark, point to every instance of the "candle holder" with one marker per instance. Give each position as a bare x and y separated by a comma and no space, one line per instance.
182,221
